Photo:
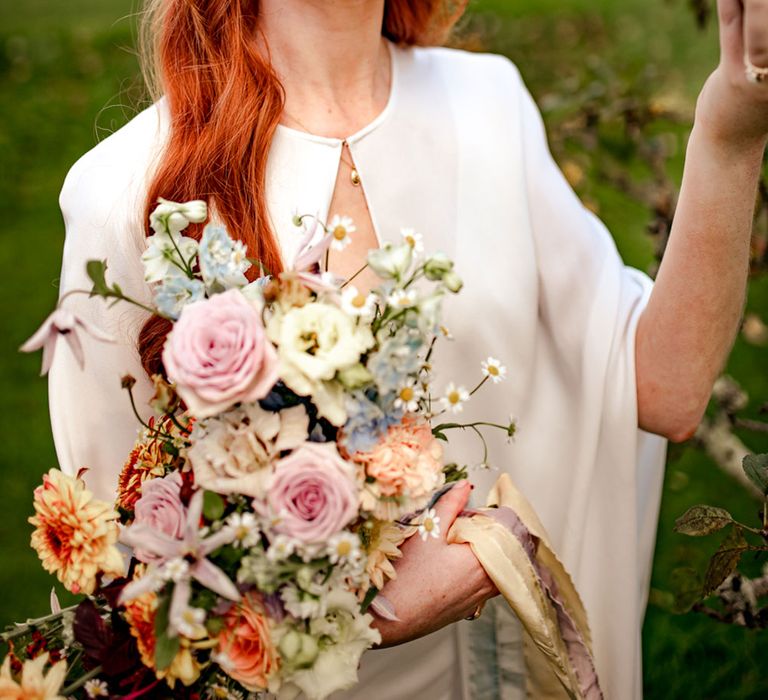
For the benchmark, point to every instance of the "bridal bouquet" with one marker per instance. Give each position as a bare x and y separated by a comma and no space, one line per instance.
296,444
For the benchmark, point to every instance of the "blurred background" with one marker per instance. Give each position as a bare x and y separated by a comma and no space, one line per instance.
617,82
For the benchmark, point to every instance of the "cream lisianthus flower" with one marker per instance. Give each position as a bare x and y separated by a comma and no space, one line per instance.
33,683
315,342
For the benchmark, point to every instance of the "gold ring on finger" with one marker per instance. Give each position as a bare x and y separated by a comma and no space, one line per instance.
755,74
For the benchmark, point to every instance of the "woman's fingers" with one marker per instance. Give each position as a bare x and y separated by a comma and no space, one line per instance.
451,504
756,31
730,14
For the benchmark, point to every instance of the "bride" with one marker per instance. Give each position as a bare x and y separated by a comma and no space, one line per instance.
272,107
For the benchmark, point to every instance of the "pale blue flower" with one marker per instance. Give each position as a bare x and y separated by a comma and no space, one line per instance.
366,422
176,292
223,261
397,358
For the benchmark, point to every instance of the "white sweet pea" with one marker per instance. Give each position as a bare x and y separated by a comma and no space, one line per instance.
391,261
173,217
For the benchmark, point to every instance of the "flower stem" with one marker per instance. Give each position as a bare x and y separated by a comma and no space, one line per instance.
25,627
353,276
80,682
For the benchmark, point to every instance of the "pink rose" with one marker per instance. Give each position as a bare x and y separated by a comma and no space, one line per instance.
218,354
160,508
312,493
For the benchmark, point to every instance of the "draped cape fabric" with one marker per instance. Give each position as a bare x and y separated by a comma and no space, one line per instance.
459,154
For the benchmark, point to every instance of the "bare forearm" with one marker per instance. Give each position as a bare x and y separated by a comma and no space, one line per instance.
689,325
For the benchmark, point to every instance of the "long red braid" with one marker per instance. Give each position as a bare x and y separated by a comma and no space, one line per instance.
225,103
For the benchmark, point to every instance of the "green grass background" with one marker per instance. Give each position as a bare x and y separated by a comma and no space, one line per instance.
67,77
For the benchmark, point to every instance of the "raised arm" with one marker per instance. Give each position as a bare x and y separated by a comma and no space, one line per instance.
688,327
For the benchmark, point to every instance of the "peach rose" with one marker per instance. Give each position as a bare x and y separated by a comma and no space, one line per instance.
406,463
246,651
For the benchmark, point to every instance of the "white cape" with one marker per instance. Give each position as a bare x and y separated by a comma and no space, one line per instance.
459,154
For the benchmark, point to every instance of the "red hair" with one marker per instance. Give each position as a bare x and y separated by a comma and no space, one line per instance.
225,103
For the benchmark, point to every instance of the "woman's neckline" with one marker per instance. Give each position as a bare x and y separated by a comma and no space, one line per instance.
360,134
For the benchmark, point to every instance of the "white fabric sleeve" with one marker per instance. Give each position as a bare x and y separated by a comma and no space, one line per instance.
589,306
102,203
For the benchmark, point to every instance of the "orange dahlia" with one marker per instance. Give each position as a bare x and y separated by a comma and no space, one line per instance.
148,460
75,533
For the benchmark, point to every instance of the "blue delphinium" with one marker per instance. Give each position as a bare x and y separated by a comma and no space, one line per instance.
175,292
223,262
366,422
397,358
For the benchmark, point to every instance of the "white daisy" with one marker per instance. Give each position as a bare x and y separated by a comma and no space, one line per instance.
246,529
454,398
344,548
403,298
493,369
408,395
341,229
281,548
413,239
355,303
429,525
96,688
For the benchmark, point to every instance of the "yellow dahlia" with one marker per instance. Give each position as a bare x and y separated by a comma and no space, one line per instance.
33,683
140,616
384,541
75,533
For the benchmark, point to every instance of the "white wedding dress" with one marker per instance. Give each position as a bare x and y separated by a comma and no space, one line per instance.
459,154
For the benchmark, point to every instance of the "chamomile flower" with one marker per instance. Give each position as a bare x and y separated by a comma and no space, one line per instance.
454,398
355,303
494,370
413,239
429,525
176,570
344,548
281,548
246,529
341,229
96,688
403,298
408,395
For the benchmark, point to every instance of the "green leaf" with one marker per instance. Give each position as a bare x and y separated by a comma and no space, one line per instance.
702,520
686,585
213,506
166,649
440,436
97,270
725,560
369,596
756,469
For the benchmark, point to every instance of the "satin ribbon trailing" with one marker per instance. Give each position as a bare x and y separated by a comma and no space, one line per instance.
510,542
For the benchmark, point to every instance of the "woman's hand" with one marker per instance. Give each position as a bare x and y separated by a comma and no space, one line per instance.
733,110
437,583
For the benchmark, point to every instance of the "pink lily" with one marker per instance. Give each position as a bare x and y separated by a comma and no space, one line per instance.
309,255
66,324
180,560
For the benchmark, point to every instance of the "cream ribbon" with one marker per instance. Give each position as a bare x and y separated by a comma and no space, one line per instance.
510,542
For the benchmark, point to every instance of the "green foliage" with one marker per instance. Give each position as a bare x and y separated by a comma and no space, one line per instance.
756,468
213,506
725,560
702,520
